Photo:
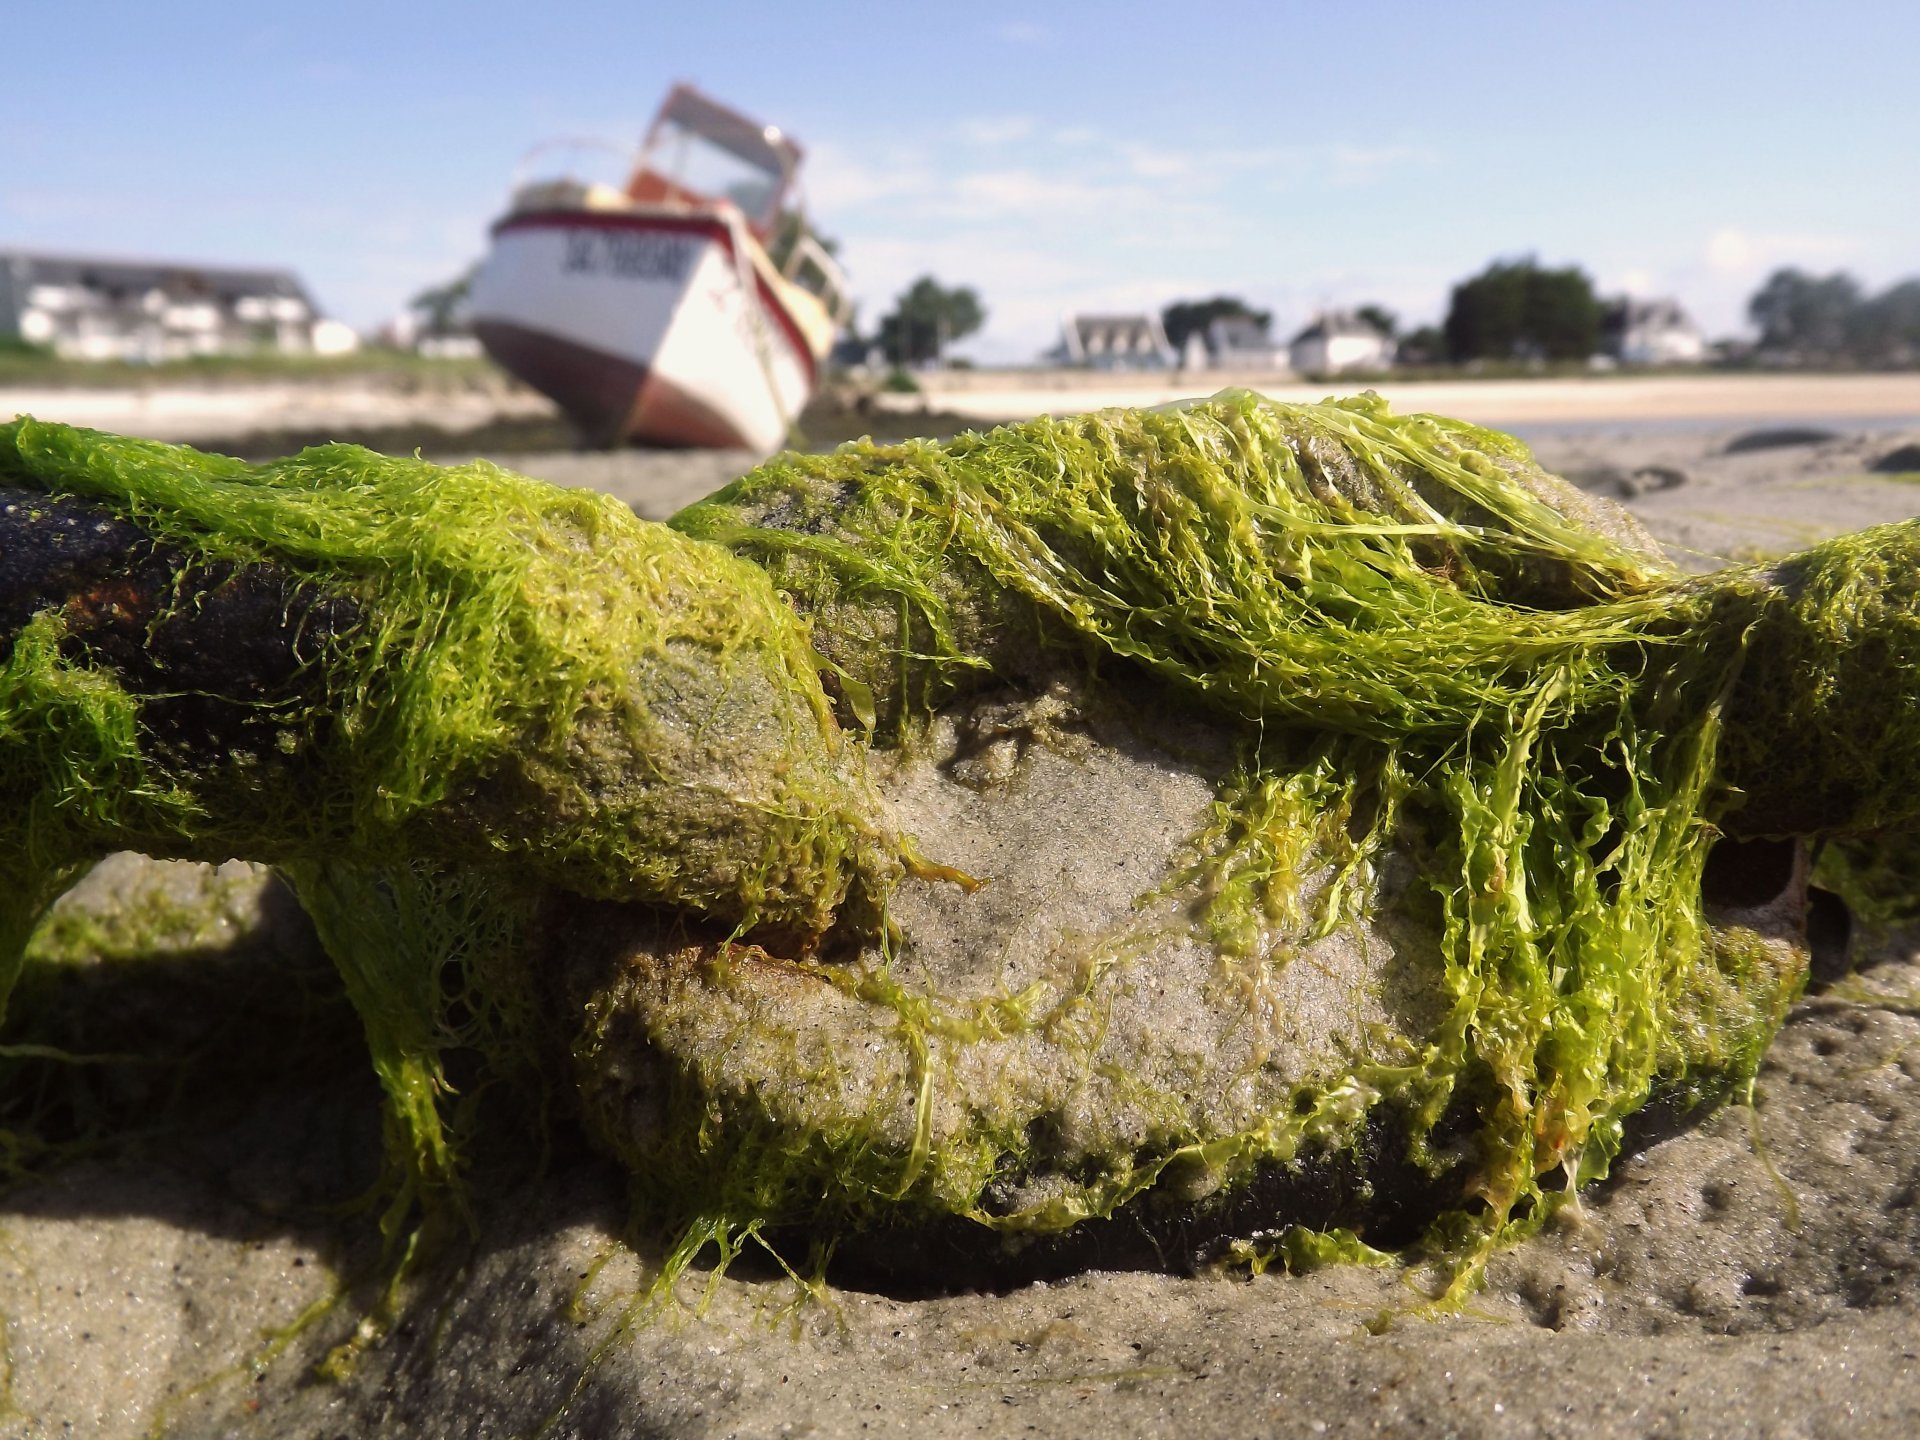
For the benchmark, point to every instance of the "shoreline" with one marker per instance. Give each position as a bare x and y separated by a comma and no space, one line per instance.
1890,399
214,412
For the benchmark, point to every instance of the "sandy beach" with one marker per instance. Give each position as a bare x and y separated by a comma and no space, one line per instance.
1756,1274
1704,400
232,411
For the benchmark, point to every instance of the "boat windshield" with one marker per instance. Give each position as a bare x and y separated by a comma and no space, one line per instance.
699,151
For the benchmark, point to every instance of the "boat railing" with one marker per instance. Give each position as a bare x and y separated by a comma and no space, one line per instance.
568,190
812,267
701,151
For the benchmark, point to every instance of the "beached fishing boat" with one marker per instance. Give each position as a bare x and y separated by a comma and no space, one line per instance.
692,307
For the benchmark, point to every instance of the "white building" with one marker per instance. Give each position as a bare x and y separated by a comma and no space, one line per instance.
1338,341
147,311
438,322
1652,332
1114,342
436,337
1234,342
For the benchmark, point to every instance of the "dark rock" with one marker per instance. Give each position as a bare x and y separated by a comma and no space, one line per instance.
1619,483
1610,480
1901,460
1650,479
1778,437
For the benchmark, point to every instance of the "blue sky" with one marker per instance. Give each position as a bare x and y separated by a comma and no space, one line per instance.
1057,157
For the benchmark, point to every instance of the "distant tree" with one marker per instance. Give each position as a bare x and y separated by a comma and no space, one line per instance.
443,307
1381,318
1886,329
1184,318
1424,346
928,318
1807,317
1517,309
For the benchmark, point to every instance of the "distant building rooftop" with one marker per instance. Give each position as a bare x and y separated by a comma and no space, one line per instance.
1339,325
1651,331
1337,341
1239,332
1234,342
98,308
100,273
1114,342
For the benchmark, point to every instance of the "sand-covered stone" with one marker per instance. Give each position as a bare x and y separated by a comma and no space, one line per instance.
1078,1017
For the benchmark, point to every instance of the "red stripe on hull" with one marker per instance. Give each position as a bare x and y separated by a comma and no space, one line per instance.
665,410
610,400
596,390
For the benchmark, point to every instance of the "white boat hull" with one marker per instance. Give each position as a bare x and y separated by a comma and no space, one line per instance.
639,326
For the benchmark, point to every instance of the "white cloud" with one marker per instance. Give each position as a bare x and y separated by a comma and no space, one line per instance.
1022,32
1160,162
992,130
1730,250
1280,167
1739,252
1084,221
1029,197
840,182
1355,165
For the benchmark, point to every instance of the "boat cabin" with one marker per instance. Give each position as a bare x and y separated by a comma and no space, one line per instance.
698,152
700,155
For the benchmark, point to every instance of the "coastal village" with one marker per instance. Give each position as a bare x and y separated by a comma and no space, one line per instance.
148,311
697,304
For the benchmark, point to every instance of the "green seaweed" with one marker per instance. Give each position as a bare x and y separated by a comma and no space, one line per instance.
1301,1251
1542,703
1423,640
1878,876
539,689
615,679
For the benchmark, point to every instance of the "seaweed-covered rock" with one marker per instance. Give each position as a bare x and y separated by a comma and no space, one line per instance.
1266,814
187,1280
1070,1063
1221,703
345,655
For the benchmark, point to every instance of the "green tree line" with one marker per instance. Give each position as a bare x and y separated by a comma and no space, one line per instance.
1831,320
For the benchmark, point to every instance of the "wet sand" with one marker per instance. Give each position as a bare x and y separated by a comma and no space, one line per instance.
1758,1274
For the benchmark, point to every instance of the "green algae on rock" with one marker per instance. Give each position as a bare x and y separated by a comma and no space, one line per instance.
1416,755
475,666
1419,647
341,661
